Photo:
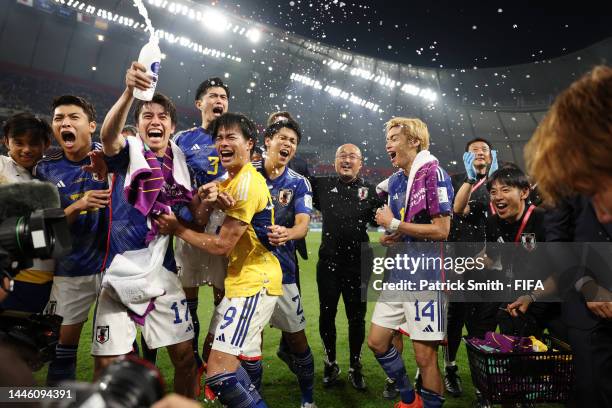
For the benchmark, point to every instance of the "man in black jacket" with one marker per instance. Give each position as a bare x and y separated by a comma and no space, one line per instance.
348,204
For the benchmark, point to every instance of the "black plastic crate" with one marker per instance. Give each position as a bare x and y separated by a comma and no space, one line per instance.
523,377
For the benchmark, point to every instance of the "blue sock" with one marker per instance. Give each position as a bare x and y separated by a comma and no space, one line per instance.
63,366
431,399
245,379
255,371
304,367
392,364
192,304
230,391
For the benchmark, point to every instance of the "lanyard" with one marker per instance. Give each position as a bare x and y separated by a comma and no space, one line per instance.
524,222
475,186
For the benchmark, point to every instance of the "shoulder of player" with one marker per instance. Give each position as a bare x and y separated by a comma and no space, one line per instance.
53,155
299,179
183,134
440,173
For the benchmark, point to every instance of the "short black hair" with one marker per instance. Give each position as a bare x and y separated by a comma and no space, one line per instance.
276,127
159,99
509,175
87,107
213,82
24,123
274,115
228,120
478,139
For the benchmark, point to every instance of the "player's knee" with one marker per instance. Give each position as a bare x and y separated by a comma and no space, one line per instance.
426,359
377,346
100,363
182,358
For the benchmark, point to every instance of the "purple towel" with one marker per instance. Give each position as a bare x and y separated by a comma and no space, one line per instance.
503,343
424,190
138,319
152,190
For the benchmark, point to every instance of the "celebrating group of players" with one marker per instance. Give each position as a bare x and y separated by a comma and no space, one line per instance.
236,223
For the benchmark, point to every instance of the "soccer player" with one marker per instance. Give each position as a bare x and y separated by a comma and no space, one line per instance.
84,197
569,155
254,277
198,267
165,322
27,137
292,197
420,197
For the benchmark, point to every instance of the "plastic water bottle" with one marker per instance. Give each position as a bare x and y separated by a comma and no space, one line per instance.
150,57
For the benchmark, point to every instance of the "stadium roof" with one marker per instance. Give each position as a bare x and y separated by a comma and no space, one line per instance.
339,96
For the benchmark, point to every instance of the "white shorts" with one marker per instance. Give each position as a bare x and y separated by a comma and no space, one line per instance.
169,323
288,314
244,318
72,296
197,267
423,320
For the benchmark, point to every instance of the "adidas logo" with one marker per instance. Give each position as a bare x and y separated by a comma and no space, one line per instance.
396,196
428,329
221,337
195,147
334,190
60,184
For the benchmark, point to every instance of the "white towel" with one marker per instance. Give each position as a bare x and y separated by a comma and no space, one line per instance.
134,275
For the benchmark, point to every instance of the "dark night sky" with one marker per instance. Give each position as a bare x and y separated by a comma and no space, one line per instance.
454,34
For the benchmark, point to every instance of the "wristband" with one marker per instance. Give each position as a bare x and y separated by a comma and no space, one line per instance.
533,298
394,225
469,181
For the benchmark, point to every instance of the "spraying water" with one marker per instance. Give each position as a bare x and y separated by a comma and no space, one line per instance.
142,10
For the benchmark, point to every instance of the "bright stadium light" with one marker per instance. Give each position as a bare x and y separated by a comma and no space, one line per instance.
214,21
254,35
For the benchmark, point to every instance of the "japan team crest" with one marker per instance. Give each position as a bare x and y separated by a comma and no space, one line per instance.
284,196
528,241
362,193
102,334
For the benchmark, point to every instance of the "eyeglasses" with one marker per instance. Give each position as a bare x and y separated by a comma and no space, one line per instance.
351,156
476,149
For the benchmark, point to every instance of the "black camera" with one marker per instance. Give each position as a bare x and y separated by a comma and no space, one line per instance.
128,382
31,226
40,234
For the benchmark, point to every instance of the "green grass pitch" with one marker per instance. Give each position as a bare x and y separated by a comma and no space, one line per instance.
280,387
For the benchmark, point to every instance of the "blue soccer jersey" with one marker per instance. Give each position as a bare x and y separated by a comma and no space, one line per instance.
291,194
438,198
90,229
201,156
129,228
431,195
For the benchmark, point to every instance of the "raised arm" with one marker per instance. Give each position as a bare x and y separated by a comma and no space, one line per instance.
110,133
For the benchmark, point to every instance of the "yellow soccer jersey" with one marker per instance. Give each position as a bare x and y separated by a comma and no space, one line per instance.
252,266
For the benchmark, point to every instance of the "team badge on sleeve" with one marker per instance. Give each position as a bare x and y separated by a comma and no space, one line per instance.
442,195
284,196
102,334
362,193
308,201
